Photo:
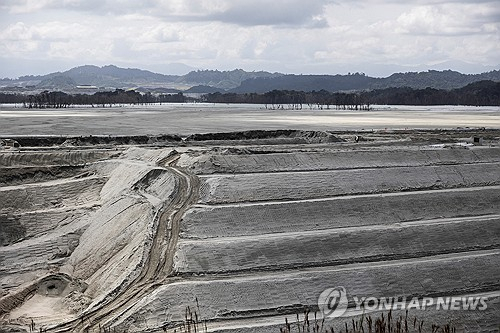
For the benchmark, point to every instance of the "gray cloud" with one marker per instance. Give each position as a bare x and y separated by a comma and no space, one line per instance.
259,34
451,19
275,13
242,12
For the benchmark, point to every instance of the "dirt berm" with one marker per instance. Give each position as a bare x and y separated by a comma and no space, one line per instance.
277,136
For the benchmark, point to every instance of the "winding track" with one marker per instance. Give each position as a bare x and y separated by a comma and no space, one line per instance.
159,264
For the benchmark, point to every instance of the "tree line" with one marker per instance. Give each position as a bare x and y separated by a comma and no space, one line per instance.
295,100
58,99
482,93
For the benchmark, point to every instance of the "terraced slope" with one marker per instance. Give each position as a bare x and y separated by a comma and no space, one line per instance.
413,221
71,244
42,217
248,232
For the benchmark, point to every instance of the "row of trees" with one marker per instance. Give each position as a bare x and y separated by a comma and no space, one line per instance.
482,93
295,100
485,93
58,99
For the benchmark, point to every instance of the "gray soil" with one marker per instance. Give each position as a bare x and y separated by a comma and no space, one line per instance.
195,118
247,228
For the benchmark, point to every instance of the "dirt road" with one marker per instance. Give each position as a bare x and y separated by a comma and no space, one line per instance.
159,264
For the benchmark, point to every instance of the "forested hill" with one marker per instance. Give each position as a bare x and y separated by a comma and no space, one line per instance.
100,76
117,77
359,81
481,93
223,79
434,79
239,81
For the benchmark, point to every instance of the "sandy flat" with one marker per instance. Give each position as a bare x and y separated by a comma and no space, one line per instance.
203,118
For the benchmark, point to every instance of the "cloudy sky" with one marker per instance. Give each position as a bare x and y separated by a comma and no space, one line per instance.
294,36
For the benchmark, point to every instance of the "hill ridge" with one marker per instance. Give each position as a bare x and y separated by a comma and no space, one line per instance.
241,81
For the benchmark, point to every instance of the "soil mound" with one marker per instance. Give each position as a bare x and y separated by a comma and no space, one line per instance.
295,136
47,141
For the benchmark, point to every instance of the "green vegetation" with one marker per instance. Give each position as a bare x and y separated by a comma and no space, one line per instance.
239,81
359,81
484,93
58,99
380,324
384,323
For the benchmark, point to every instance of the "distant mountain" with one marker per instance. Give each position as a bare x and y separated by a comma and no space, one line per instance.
159,90
111,76
116,77
332,83
238,80
434,79
478,93
466,67
57,82
203,89
223,80
306,83
481,93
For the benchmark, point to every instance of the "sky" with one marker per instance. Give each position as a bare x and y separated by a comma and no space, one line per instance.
290,36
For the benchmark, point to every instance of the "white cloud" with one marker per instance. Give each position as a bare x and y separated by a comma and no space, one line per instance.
50,31
277,12
162,33
292,35
17,32
23,6
446,19
18,39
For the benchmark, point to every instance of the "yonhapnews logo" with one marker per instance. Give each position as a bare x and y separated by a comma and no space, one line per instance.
334,302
